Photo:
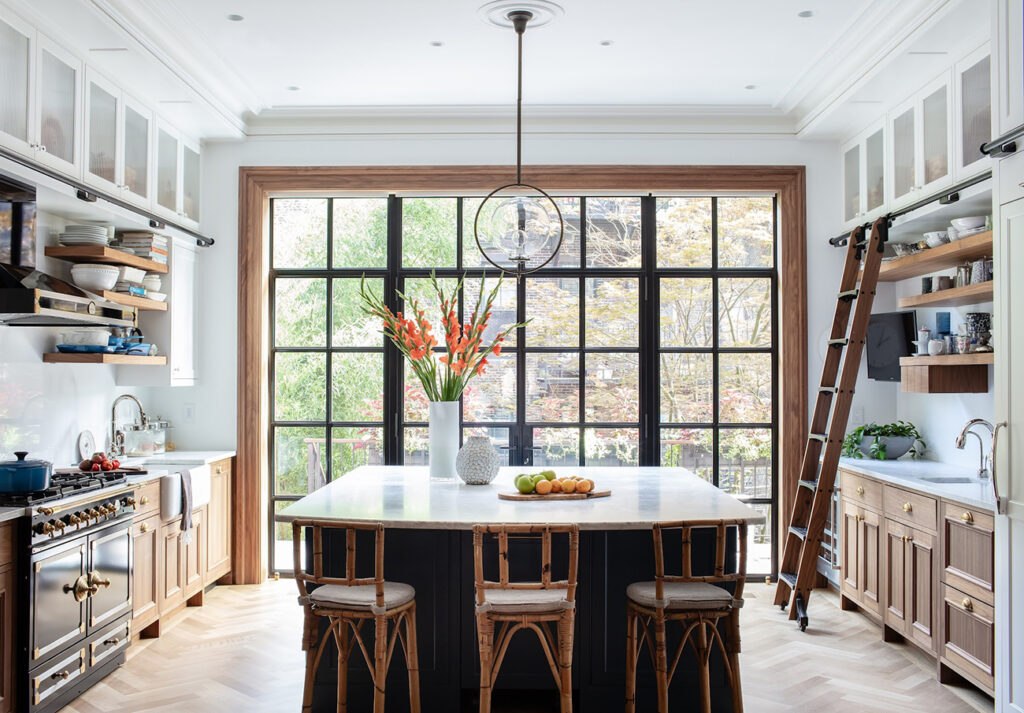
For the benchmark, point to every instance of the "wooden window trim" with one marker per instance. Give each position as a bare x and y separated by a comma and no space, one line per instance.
256,184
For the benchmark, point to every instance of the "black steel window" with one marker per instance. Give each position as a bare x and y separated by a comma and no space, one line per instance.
651,341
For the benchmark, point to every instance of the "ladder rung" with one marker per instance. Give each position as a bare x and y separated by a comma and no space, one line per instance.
828,389
800,532
811,484
789,579
838,343
823,437
848,295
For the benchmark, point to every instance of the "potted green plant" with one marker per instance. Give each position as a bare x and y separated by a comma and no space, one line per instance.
886,442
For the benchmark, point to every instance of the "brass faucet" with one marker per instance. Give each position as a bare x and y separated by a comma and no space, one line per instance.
983,460
116,435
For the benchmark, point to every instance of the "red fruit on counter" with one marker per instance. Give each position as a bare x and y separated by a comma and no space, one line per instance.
95,467
117,463
107,465
85,465
98,457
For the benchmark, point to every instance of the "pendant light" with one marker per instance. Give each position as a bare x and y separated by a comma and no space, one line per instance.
518,227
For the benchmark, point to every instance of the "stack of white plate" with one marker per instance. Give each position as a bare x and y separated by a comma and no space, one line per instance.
84,235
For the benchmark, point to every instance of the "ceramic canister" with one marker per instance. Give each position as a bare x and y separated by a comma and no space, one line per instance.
936,347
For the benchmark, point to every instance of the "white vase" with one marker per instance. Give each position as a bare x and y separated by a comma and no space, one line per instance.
444,439
477,462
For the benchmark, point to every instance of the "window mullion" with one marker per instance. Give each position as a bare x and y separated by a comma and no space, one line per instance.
393,376
647,362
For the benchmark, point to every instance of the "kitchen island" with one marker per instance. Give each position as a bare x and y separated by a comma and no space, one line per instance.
429,546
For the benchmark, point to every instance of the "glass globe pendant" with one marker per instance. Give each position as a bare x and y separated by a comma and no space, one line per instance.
518,227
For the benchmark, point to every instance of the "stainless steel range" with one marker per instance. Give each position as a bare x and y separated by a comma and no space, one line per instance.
76,594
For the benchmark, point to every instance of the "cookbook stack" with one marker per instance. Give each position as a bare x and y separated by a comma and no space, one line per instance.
143,243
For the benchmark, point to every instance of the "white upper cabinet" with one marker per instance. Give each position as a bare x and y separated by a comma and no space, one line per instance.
921,135
103,154
58,125
863,160
17,52
137,137
190,181
973,82
177,176
1008,66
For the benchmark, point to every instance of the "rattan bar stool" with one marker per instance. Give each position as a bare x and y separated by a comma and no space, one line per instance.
698,603
347,603
534,605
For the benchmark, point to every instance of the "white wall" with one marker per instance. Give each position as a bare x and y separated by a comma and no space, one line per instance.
215,396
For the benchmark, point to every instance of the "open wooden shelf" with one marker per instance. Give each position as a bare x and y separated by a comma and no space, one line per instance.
950,359
134,301
953,297
104,255
934,259
61,358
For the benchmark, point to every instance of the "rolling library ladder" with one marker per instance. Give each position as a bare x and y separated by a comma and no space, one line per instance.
828,422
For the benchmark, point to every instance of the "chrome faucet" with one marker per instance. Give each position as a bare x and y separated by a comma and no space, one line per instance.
117,436
961,441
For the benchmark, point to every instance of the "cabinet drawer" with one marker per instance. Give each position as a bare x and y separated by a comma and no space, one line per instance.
220,466
968,554
862,491
48,681
107,644
968,637
7,534
147,499
913,508
1011,177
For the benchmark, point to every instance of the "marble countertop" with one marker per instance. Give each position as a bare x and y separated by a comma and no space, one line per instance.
931,477
179,458
405,497
10,513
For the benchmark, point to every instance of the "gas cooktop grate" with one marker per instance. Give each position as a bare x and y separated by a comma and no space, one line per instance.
63,485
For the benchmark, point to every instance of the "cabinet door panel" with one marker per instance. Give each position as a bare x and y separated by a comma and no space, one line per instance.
904,152
218,523
172,574
850,561
974,114
183,305
895,576
59,102
851,183
874,171
922,578
110,556
871,561
935,135
146,581
16,50
195,553
7,582
190,182
102,130
138,142
167,170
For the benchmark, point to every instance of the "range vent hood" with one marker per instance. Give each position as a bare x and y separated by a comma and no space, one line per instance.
30,298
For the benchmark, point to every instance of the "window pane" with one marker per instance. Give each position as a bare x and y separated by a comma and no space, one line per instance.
745,461
429,232
612,446
498,436
745,312
421,290
300,386
300,232
745,231
416,409
687,394
300,312
686,314
416,446
283,552
612,311
351,326
503,311
553,308
612,388
613,232
684,232
556,446
491,396
353,447
688,448
553,387
745,388
360,228
759,542
357,386
298,466
568,254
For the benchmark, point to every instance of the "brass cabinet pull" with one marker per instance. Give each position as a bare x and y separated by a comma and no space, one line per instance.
907,507
967,517
860,490
64,675
144,527
220,469
144,500
115,641
967,604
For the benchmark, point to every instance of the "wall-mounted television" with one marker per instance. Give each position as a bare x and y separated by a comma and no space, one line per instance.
17,224
890,336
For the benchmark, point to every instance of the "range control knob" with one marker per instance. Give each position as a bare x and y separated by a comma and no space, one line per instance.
74,518
128,502
45,528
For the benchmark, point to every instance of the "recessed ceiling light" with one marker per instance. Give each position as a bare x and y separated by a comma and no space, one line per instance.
235,18
437,43
750,86
293,88
805,13
108,49
606,43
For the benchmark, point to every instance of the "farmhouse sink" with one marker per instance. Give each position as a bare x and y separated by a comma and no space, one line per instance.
170,491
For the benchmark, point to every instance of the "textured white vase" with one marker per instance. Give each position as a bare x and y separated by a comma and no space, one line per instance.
444,439
477,462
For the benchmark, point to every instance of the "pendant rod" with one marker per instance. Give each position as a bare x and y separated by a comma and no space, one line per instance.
519,19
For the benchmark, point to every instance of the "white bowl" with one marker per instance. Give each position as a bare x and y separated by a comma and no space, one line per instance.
158,296
131,274
152,283
936,238
969,223
95,278
89,337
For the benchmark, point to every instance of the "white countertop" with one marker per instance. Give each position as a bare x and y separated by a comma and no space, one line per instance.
10,513
405,497
180,458
912,473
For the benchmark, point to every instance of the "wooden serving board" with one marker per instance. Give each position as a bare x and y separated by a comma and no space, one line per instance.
555,496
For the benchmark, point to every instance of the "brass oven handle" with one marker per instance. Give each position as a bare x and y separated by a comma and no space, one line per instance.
95,581
81,589
65,674
967,517
45,511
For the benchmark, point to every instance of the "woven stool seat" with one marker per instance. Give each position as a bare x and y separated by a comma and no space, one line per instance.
681,595
361,597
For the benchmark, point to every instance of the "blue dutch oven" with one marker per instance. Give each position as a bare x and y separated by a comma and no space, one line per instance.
23,476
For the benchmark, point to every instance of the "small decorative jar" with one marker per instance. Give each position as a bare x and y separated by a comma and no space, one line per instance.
477,462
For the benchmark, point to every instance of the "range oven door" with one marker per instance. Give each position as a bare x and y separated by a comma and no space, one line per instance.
58,598
110,570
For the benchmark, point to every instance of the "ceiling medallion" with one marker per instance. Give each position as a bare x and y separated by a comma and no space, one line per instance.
498,12
518,227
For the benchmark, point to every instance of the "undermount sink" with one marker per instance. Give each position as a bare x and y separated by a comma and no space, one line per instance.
953,480
170,491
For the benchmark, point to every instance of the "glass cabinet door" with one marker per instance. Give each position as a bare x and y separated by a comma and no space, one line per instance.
935,135
102,114
137,133
903,162
975,111
851,183
874,170
58,100
167,170
190,183
15,59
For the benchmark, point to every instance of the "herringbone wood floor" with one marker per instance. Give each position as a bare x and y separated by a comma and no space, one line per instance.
240,652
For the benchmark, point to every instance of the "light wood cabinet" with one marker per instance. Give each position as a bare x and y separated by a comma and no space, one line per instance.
218,522
910,576
861,556
194,555
147,544
8,585
172,569
968,639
